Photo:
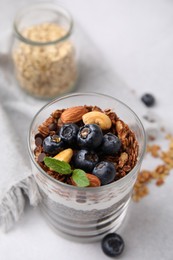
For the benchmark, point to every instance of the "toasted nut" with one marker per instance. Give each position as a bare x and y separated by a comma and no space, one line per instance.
73,114
94,180
72,182
123,159
99,118
65,155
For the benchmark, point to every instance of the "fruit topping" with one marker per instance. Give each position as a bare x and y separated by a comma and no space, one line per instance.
53,144
85,160
91,146
105,171
89,136
68,133
111,144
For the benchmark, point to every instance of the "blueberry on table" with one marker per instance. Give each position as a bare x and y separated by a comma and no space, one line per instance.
111,144
112,245
148,100
89,136
53,144
105,171
85,160
68,133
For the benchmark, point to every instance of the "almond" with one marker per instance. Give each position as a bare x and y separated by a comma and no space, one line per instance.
72,182
73,114
94,180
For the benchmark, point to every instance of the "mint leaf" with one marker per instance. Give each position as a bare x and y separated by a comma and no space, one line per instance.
80,178
58,166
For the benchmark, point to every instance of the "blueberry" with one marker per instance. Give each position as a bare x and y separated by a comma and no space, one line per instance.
111,144
112,244
148,100
53,144
85,160
105,171
68,133
89,136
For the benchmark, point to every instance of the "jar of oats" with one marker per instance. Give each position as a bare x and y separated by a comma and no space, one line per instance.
44,52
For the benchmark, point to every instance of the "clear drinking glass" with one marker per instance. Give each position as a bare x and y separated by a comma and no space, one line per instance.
86,214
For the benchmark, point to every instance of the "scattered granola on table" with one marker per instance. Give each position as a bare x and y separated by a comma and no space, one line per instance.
85,146
159,173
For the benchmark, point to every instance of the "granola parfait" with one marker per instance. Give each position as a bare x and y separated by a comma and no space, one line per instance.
86,150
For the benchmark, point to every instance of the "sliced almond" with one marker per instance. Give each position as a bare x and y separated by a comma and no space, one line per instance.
73,114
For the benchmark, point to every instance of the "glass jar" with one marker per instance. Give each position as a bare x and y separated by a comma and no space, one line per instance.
43,51
86,214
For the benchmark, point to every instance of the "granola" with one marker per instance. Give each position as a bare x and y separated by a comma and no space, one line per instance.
159,173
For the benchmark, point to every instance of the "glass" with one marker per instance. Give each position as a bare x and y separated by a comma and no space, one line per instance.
44,51
86,214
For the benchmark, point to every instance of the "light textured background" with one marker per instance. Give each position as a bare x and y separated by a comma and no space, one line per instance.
136,38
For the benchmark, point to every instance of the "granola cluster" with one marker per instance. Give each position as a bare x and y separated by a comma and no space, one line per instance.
123,161
158,174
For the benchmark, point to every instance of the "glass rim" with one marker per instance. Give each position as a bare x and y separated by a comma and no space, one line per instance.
40,6
91,189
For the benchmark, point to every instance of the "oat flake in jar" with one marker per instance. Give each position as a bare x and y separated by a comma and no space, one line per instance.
43,51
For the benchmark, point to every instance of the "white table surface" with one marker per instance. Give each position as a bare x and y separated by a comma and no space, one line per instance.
136,38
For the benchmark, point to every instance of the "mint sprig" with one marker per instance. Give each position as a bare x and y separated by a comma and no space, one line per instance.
79,176
57,165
